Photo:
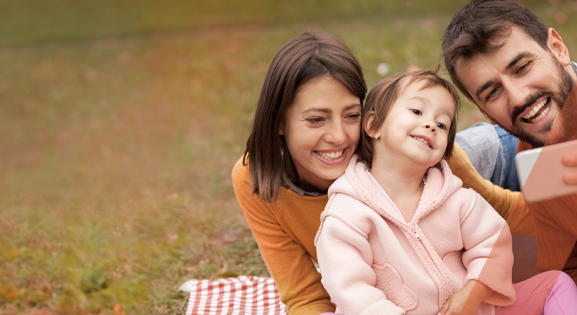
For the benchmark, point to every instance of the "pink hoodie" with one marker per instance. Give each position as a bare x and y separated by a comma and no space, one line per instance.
374,262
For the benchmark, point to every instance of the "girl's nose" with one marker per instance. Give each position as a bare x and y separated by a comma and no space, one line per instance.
430,126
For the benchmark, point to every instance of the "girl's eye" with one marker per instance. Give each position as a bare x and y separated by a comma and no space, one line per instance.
441,126
416,111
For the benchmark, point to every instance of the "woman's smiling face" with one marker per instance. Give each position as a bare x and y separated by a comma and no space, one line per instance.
322,131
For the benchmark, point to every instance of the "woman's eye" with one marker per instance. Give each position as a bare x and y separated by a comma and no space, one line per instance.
441,126
416,111
354,116
315,120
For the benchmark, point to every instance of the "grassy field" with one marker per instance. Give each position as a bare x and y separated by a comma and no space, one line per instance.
120,122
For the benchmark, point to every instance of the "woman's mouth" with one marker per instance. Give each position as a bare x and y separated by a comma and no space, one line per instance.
538,111
331,156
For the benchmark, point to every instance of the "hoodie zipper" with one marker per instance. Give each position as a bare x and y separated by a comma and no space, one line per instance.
415,232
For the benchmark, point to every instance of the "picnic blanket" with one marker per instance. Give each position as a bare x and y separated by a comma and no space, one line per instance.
235,296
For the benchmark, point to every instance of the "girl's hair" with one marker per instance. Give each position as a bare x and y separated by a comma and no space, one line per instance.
384,95
297,62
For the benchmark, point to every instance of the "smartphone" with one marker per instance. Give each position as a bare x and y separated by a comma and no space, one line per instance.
541,172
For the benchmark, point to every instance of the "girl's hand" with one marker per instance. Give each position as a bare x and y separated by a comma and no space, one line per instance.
467,300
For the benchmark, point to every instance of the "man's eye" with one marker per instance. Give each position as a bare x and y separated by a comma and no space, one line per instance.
492,93
416,111
523,68
442,126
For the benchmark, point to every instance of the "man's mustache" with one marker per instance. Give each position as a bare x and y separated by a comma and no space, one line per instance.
530,101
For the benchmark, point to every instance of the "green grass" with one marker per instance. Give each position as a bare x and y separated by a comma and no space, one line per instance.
120,122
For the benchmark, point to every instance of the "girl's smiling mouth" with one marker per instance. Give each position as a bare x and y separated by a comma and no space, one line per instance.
424,140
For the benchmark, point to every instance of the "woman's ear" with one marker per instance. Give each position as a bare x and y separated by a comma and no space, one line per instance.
369,124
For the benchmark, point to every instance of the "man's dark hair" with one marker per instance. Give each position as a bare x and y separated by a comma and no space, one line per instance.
478,27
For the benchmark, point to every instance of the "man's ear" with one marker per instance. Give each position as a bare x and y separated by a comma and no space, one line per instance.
556,45
369,124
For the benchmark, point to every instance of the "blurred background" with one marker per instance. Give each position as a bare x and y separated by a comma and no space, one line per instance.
120,121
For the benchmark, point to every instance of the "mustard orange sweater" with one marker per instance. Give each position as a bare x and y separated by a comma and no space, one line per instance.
285,231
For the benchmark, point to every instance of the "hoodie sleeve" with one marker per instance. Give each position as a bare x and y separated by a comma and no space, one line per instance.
488,254
345,258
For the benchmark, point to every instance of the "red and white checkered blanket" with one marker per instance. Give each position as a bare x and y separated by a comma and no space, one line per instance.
238,296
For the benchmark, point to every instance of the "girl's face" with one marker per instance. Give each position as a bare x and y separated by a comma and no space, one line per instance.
416,128
322,130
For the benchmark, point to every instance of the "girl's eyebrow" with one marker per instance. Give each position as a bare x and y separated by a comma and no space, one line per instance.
420,98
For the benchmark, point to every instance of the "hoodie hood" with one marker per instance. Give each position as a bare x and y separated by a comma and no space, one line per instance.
439,185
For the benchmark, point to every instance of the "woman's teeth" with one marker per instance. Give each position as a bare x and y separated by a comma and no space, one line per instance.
330,155
529,117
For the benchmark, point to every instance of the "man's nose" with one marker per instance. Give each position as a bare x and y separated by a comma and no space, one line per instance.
516,92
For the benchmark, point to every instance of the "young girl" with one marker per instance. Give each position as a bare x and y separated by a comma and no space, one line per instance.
403,237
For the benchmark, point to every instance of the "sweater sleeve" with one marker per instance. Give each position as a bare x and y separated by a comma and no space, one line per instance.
488,254
510,205
289,264
345,259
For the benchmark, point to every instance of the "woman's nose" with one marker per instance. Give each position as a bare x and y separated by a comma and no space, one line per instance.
336,134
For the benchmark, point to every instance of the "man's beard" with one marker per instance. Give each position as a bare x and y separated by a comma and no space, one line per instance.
560,97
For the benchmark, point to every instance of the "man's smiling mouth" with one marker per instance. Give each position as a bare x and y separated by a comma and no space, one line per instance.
538,111
330,155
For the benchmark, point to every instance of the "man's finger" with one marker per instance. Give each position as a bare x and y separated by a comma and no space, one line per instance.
570,158
570,178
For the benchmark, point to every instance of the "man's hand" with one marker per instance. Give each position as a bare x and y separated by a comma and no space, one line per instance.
570,159
467,300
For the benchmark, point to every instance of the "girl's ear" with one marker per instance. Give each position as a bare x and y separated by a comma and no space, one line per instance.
369,124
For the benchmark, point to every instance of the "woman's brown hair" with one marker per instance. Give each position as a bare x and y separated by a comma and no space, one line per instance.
384,95
300,60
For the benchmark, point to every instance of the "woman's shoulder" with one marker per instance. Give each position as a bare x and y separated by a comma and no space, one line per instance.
240,174
286,197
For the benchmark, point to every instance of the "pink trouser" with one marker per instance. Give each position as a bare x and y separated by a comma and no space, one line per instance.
548,293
